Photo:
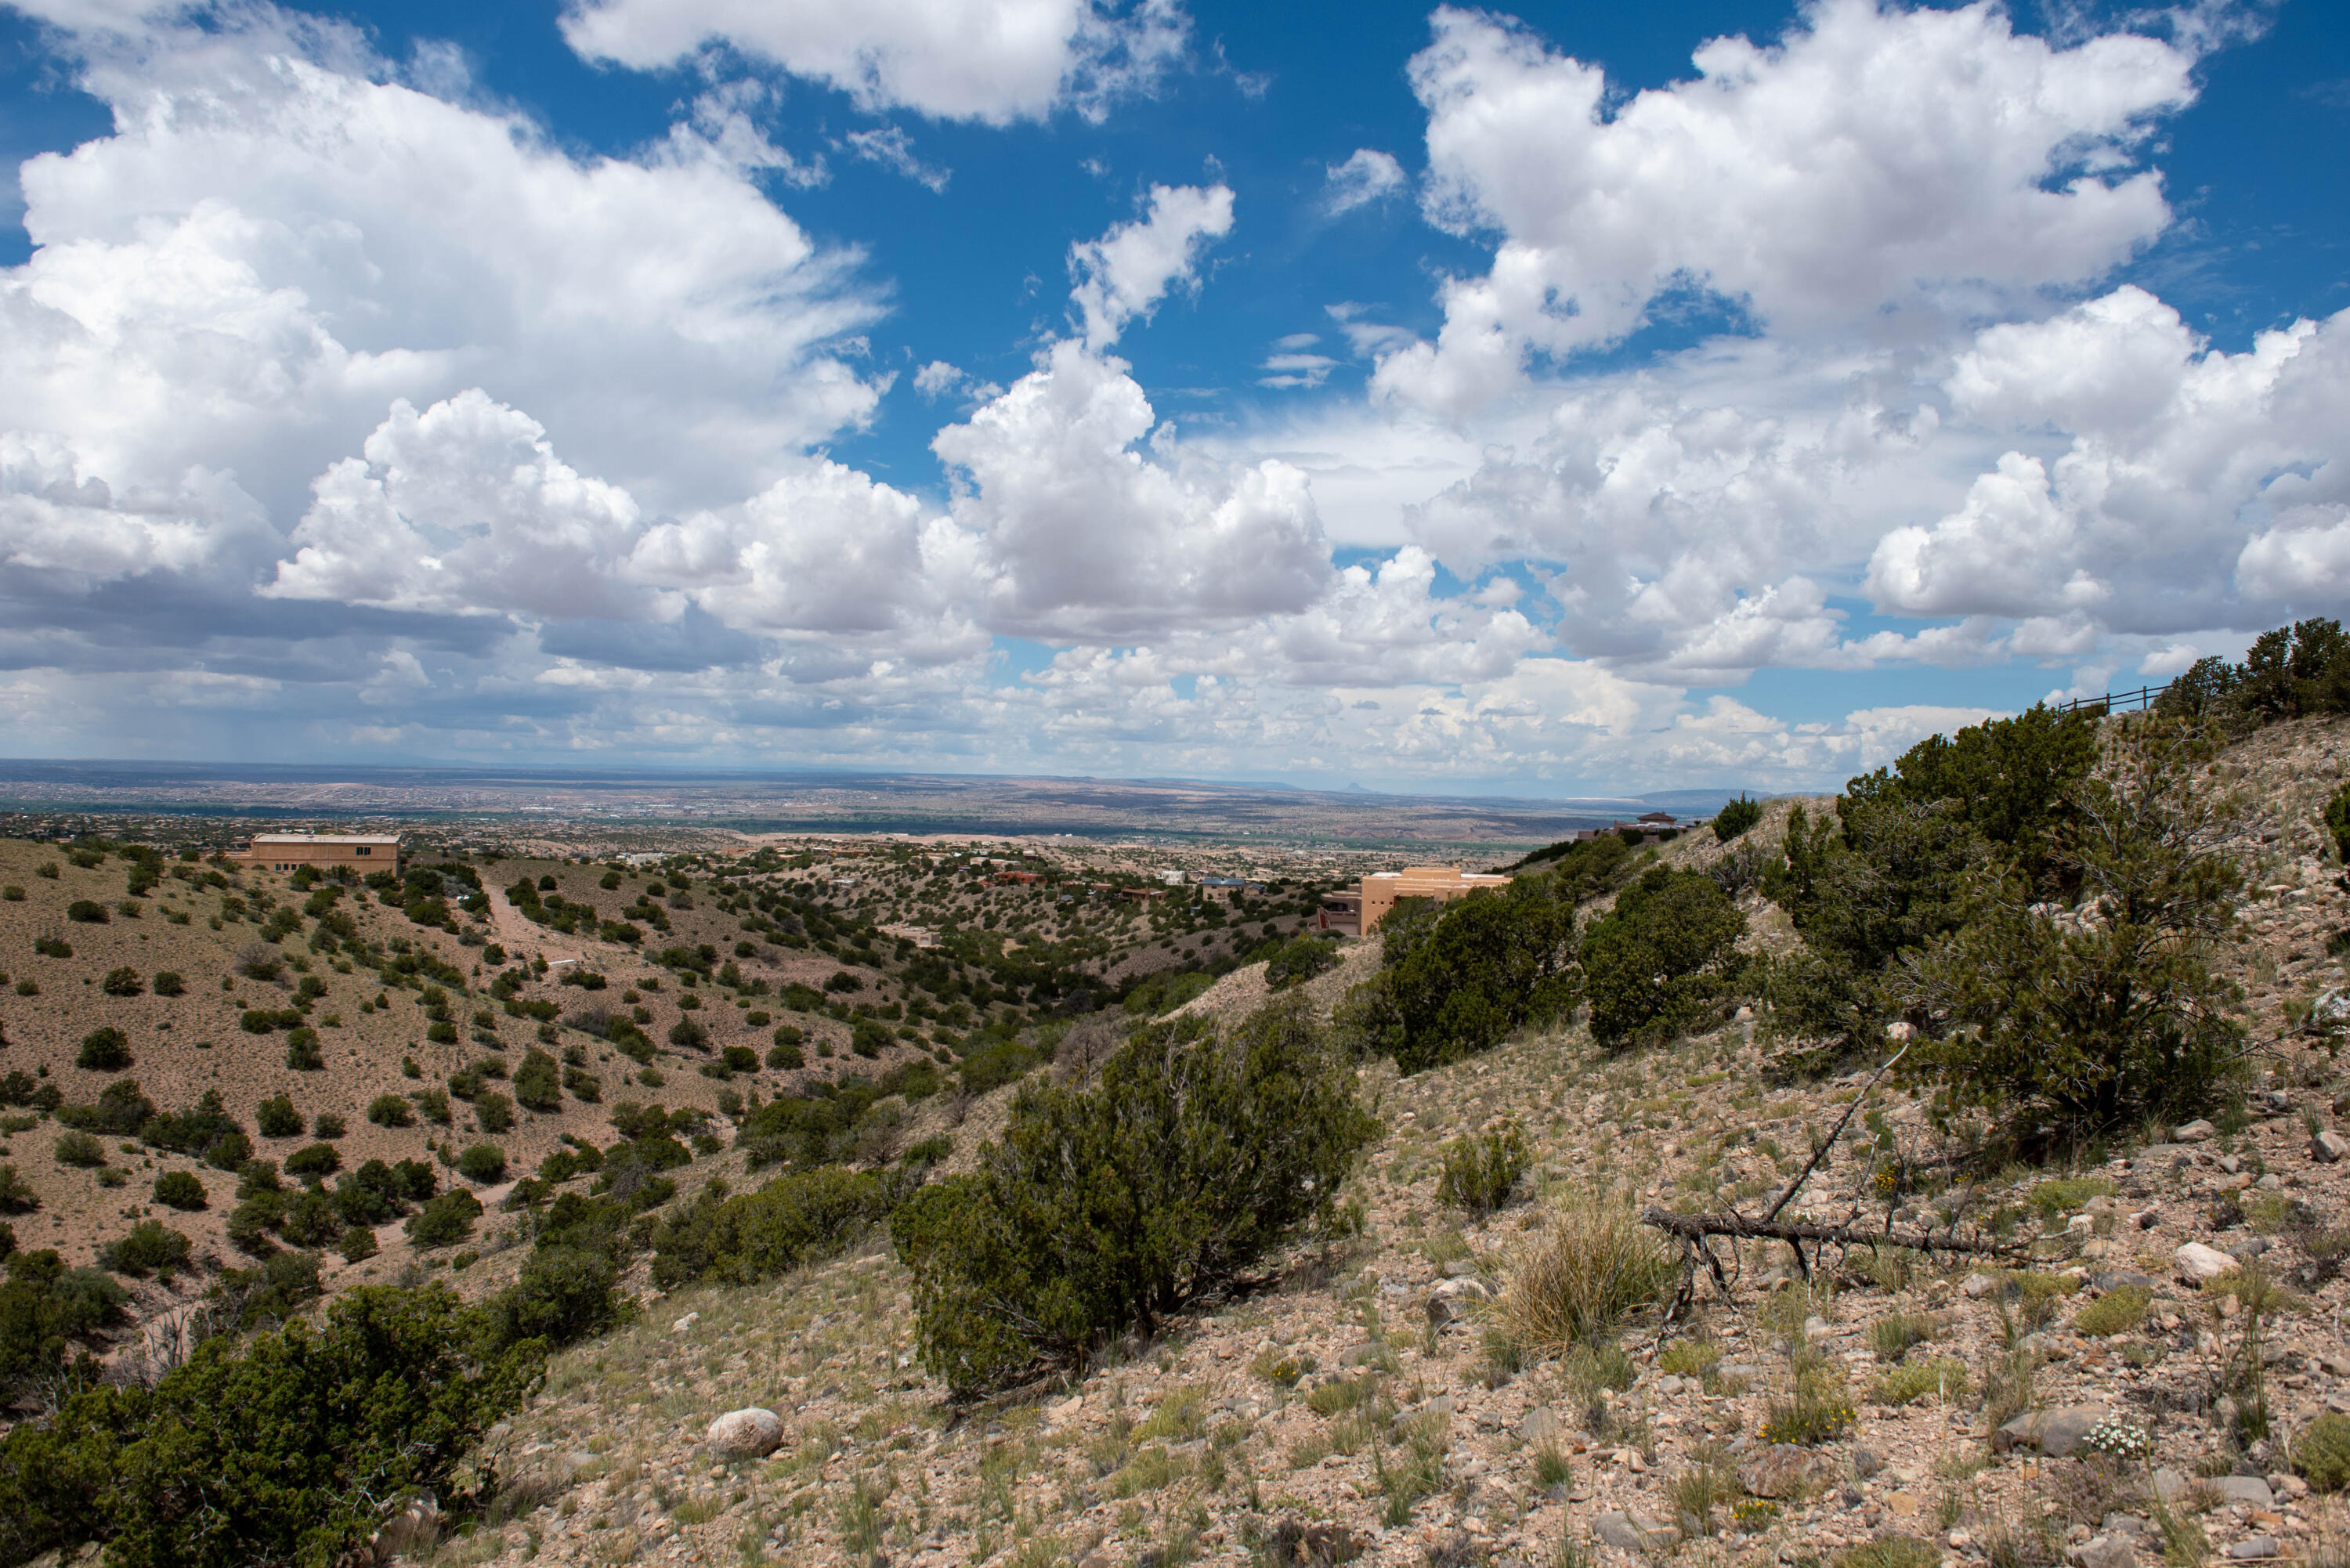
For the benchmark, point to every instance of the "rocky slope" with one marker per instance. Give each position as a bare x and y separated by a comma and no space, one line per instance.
1365,1405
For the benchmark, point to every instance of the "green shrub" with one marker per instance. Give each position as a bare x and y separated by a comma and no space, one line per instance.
317,1159
390,1111
994,1065
178,1189
148,1249
44,1307
167,983
493,1111
562,1294
122,980
2336,818
758,1235
1942,1376
539,1082
1735,817
283,1449
445,1220
1665,961
1114,1203
104,1050
2119,1311
302,1052
121,1109
1299,960
328,1124
739,1059
276,1118
53,946
483,1163
79,1150
1459,980
2323,1453
87,912
1481,1169
2061,1032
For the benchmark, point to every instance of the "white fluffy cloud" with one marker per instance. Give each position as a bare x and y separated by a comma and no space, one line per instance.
991,60
465,509
2183,463
281,236
1367,176
1876,157
58,521
1128,271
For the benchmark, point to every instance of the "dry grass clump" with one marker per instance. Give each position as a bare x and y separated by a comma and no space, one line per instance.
1592,1265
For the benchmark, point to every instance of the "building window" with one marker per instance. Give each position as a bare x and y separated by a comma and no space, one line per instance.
362,849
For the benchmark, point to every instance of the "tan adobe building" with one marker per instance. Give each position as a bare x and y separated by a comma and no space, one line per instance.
1358,913
326,851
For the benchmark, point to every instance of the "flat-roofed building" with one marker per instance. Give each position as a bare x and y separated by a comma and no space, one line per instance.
326,851
1359,911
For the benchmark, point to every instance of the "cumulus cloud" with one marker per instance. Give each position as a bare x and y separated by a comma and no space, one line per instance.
279,237
2183,461
60,522
1368,175
994,61
1094,539
1874,157
465,509
1128,270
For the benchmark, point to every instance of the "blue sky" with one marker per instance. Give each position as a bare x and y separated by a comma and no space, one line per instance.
1556,398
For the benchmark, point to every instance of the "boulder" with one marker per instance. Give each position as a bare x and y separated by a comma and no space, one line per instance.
1631,1532
687,1321
2196,1262
1977,1286
2195,1131
2115,1550
2055,1432
1453,1300
746,1434
2250,1491
2253,1549
1779,1471
2168,1483
414,1532
2328,1148
1541,1425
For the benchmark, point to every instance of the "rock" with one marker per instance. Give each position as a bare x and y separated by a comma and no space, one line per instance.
2328,1147
1452,1300
2195,1131
2168,1483
1460,1269
1629,1532
2055,1432
2253,1549
2293,1488
2250,1491
1745,1371
1066,1409
1866,1461
2104,1551
2250,1247
1816,1329
2147,1219
1541,1425
2196,1262
2081,1225
2124,1279
1977,1286
687,1321
746,1434
1311,1543
413,1532
1780,1470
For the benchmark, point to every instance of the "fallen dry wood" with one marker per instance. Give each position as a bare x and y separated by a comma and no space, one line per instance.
1694,1229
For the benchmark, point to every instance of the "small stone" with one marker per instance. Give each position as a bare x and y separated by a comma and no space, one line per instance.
1902,1503
2328,1147
1959,1540
1460,1269
2195,1131
2196,1262
1066,1409
1776,1472
747,1434
1540,1425
687,1321
1629,1532
1977,1286
1816,1328
2104,1551
2253,1549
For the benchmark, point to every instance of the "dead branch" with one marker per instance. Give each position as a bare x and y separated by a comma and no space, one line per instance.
1827,1143
1693,1230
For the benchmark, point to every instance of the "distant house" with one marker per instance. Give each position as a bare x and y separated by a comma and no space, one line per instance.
1659,818
326,851
1358,912
1020,876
